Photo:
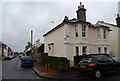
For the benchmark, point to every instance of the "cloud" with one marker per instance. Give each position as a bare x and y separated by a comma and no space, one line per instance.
19,18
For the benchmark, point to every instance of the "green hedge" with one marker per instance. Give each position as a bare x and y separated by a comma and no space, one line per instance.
55,63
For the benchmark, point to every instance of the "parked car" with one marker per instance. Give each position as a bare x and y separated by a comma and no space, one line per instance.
27,61
97,65
11,57
7,58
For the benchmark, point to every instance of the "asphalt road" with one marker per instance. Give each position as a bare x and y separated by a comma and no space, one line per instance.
11,69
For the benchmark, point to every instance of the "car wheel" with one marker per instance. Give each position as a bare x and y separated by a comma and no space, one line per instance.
97,74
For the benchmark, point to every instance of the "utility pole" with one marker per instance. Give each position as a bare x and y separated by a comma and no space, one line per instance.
31,42
31,37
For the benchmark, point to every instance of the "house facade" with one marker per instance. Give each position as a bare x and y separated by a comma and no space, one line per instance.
5,50
0,49
77,37
114,37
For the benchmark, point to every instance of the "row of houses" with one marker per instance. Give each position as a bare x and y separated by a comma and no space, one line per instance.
5,50
34,46
78,37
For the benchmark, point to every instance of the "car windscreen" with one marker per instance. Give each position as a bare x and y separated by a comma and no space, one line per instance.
87,60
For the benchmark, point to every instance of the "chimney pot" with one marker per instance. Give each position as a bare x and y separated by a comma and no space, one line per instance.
80,3
66,18
118,16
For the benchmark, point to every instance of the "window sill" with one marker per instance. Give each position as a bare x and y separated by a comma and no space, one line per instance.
98,39
84,37
76,37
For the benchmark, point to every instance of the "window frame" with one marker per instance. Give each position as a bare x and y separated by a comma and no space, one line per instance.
104,34
77,50
98,34
76,31
83,50
106,50
99,51
83,31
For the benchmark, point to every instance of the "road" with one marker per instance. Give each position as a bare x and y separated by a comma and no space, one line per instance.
11,70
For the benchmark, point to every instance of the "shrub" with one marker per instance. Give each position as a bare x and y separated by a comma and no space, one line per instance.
55,63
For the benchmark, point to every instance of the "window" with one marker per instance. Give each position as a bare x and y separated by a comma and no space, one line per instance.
104,34
100,59
87,60
77,50
99,50
84,50
98,33
83,31
108,59
105,50
76,31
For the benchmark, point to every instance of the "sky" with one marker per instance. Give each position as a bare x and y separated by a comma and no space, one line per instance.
19,18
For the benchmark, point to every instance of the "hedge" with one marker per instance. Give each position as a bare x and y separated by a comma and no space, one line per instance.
55,63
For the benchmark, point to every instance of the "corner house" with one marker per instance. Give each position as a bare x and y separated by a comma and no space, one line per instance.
77,37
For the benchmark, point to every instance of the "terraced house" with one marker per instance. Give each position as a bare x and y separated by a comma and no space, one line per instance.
77,37
114,37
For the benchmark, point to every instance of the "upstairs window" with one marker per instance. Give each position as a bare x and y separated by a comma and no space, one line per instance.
76,31
83,31
104,34
98,34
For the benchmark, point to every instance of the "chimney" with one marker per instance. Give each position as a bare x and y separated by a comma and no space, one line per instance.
66,18
118,20
81,14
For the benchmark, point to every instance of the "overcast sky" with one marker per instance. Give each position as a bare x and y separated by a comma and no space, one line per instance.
19,18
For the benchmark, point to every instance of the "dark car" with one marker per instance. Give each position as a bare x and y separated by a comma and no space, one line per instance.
97,65
7,58
27,61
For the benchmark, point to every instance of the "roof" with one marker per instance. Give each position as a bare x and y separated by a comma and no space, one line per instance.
76,21
98,25
106,24
58,26
72,21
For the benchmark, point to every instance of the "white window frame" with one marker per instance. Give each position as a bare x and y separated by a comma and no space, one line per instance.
100,50
98,34
76,50
104,34
106,50
84,31
76,31
86,49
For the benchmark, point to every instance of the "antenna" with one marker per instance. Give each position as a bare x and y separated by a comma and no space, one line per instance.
52,22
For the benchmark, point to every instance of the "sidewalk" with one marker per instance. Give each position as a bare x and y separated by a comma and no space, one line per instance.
49,74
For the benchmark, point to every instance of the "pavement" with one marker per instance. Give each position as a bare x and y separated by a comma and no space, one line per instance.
73,76
49,74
